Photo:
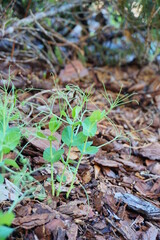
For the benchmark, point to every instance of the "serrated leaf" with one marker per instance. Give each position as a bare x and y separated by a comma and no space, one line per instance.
54,124
66,135
11,162
89,127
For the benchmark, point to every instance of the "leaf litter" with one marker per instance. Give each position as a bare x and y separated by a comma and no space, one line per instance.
116,194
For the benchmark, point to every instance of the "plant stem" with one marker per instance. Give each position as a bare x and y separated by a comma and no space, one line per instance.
76,170
1,156
52,178
66,164
64,169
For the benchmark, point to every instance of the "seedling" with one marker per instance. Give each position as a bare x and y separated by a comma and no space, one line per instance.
9,136
51,154
77,130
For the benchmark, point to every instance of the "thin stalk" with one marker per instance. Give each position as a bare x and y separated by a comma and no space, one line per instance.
1,156
104,144
65,166
76,170
64,169
52,178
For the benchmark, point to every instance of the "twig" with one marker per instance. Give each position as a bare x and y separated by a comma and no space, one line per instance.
40,15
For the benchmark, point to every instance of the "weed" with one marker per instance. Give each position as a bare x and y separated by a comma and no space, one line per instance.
5,221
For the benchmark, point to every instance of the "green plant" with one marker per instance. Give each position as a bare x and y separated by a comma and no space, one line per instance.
5,221
51,154
9,135
78,127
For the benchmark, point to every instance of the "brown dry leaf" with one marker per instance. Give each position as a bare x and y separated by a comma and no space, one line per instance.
137,87
77,208
134,166
31,221
96,170
55,224
59,167
73,154
97,199
86,177
152,151
154,168
103,161
108,172
73,71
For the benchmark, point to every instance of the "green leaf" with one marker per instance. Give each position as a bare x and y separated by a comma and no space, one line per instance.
11,162
66,135
63,113
78,139
75,111
5,232
78,123
11,139
56,155
81,147
97,116
14,117
54,124
88,149
89,127
91,150
47,154
69,120
41,135
59,178
59,55
52,138
6,218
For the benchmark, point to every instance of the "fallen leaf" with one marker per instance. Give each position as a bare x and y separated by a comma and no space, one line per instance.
40,143
152,151
96,170
73,71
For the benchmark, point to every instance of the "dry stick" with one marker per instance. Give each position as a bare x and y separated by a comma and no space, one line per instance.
41,15
28,6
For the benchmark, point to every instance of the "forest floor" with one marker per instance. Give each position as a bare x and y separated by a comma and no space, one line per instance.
117,191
